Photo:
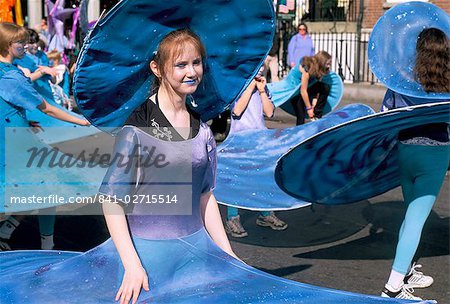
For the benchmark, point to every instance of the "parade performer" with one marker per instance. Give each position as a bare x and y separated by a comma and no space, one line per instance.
407,145
17,95
35,65
56,17
248,114
290,93
424,156
312,98
61,87
177,249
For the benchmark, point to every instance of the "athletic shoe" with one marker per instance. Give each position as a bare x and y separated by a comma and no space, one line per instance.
234,227
271,221
403,293
416,279
4,246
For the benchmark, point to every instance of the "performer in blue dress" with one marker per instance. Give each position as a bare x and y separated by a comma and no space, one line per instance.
17,95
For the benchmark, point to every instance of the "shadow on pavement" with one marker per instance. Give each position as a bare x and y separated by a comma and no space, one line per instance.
308,226
74,233
386,219
285,271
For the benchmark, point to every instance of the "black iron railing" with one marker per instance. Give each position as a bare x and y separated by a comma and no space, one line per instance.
349,52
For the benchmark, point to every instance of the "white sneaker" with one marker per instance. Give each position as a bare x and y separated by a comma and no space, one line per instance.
234,227
271,221
403,293
416,279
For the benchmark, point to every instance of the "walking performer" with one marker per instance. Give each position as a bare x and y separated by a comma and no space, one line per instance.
21,178
407,145
177,247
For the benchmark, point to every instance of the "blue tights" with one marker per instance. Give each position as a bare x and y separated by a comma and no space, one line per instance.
422,170
233,211
47,221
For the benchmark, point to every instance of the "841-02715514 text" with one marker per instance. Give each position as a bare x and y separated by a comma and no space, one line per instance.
140,199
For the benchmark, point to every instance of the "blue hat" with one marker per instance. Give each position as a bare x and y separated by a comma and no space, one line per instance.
392,45
113,75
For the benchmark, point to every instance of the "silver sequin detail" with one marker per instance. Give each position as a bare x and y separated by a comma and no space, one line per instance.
424,141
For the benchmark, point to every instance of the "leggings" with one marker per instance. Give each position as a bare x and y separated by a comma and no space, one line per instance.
47,221
233,211
319,89
422,172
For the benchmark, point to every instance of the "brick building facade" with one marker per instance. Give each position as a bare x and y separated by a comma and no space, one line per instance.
373,9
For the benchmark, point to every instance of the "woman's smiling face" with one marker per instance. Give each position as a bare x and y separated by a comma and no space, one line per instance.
185,71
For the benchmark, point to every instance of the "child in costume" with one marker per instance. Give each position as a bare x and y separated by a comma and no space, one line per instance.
17,95
60,88
248,113
424,156
35,65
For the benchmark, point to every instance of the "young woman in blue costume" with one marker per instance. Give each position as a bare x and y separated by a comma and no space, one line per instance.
17,95
174,254
248,114
424,156
178,69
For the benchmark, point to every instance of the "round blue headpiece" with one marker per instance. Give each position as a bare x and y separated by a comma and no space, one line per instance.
392,45
113,75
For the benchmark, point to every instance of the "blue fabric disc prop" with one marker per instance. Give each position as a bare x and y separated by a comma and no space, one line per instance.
355,160
57,131
36,176
392,45
113,75
246,162
289,88
191,269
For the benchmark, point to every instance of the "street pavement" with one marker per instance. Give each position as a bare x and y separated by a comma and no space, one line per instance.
347,247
